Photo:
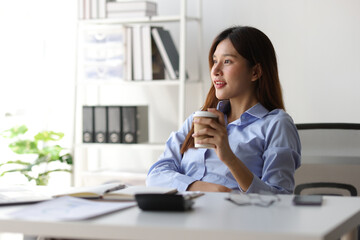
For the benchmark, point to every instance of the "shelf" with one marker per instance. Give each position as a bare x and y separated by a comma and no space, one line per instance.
138,83
154,19
92,178
129,163
119,146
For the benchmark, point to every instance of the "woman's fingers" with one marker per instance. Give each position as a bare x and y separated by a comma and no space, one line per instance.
213,123
212,131
205,131
221,118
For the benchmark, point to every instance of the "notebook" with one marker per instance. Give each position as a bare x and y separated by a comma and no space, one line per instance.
117,192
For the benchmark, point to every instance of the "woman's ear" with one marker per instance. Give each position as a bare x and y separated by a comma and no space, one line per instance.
256,72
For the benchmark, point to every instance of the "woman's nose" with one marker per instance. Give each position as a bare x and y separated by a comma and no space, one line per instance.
217,71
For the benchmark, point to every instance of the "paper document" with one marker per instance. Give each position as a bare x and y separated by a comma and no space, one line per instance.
13,195
68,208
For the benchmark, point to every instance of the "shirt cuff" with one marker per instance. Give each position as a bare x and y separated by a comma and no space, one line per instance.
255,185
182,182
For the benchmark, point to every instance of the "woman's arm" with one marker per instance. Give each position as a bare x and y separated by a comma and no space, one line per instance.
207,187
167,170
281,155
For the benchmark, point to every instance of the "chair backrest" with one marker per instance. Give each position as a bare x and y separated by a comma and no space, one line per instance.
330,154
322,188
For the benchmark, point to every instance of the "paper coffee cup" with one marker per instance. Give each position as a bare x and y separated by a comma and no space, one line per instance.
197,127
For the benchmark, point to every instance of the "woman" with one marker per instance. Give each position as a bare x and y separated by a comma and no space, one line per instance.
257,147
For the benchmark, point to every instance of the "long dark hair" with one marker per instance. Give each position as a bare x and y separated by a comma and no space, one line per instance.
256,48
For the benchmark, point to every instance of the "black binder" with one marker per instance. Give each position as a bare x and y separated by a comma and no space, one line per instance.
100,113
129,124
114,124
134,124
88,124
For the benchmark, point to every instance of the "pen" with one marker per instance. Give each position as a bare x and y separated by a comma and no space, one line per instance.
121,186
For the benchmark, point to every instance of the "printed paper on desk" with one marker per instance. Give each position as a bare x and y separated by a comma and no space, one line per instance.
68,208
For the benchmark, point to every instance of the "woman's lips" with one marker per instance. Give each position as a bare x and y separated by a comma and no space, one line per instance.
219,84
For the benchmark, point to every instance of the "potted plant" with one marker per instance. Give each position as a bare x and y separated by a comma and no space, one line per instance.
38,155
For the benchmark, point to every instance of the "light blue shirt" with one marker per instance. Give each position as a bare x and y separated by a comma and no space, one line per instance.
266,142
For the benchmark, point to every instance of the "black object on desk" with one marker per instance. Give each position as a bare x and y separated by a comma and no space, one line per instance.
163,202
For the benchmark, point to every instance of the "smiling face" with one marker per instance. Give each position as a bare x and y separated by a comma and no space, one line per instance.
231,75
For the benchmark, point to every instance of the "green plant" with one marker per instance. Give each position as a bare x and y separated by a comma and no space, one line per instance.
40,151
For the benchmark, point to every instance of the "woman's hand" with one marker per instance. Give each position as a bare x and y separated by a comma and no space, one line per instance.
218,135
219,138
207,187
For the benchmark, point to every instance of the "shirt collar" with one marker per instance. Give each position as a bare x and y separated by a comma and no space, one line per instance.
258,110
223,106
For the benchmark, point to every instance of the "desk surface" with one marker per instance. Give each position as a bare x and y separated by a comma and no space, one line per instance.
213,217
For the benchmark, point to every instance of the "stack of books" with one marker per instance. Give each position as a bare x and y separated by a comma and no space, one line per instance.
154,54
94,9
128,9
134,53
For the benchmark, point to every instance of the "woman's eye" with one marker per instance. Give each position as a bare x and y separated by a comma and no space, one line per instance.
227,61
214,61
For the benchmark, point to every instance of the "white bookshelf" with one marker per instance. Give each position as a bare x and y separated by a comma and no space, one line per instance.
162,96
123,83
151,20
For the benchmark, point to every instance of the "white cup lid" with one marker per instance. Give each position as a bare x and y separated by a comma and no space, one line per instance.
205,114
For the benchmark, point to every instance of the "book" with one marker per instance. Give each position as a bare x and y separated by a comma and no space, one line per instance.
81,6
87,9
129,55
94,7
115,191
137,62
127,6
128,193
147,52
158,66
102,8
91,192
168,51
153,65
130,14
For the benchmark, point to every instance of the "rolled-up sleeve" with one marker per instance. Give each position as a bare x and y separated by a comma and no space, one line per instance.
167,171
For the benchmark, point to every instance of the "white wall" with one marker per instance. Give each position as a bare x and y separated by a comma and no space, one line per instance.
318,50
37,64
317,44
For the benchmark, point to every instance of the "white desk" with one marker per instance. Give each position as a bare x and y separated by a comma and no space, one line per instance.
212,218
